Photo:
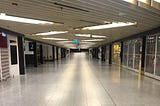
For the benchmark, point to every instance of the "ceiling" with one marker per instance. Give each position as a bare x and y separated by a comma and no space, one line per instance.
77,14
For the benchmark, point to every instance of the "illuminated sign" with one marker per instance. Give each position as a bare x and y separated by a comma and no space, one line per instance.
75,41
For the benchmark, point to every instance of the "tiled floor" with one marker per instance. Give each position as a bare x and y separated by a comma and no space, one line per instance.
80,81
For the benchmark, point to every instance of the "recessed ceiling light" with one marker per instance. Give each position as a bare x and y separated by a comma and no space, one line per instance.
89,35
3,16
93,40
54,39
52,33
112,25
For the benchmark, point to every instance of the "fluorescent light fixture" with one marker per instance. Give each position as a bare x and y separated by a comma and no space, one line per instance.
130,1
89,35
52,33
98,36
93,40
54,39
83,35
3,16
112,25
157,1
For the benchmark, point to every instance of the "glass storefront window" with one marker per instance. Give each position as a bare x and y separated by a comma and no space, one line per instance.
107,53
125,53
116,53
138,46
157,71
149,65
150,54
150,46
131,53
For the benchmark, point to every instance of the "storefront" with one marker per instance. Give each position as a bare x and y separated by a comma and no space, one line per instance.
9,56
152,63
116,49
132,54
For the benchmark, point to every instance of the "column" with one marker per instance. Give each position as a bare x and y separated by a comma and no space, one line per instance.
41,54
35,53
57,52
110,54
121,52
143,54
103,53
53,52
21,55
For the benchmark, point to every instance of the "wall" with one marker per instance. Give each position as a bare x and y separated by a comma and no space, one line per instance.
27,48
55,52
4,64
59,53
47,52
29,55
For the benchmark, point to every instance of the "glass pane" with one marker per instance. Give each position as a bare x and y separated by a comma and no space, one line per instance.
130,61
157,72
158,45
131,52
150,46
125,53
138,45
158,66
136,61
116,53
131,49
107,53
125,59
149,65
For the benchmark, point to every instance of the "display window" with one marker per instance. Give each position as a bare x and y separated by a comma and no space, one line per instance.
116,48
157,65
131,53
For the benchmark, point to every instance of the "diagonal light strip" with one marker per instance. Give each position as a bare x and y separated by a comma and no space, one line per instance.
112,25
54,39
52,33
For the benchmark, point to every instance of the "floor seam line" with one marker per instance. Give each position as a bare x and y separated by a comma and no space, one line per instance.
105,90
